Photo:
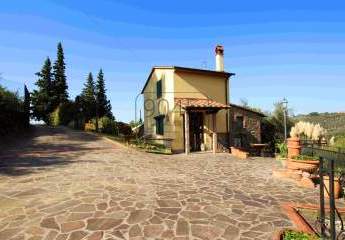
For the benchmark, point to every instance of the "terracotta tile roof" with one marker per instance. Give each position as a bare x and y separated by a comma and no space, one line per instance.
234,106
199,103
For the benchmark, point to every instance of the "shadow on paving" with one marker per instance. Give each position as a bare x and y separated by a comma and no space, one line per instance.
28,155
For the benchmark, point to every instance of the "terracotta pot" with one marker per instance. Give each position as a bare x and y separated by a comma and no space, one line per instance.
294,147
337,187
304,165
278,235
294,141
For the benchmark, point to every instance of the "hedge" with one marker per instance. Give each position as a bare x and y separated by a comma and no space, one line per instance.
14,116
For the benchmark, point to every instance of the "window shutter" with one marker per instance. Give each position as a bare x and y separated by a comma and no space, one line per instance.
159,88
160,125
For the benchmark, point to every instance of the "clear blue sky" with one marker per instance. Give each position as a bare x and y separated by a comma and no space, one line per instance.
277,49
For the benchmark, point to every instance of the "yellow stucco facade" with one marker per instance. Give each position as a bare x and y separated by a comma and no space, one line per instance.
180,82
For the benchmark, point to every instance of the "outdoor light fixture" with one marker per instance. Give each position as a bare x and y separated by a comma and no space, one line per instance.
285,103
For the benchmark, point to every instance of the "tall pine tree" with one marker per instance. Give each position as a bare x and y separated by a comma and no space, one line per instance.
104,106
60,94
41,98
88,98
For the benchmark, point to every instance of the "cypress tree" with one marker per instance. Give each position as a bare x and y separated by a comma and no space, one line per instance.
41,98
88,98
60,87
104,106
27,106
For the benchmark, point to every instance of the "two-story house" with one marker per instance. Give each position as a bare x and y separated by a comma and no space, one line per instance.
190,108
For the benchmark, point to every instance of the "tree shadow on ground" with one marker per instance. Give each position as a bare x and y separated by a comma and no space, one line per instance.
30,156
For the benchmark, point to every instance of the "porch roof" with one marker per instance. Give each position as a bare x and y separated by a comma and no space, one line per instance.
200,103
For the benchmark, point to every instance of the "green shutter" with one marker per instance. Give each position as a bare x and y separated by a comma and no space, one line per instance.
160,125
159,88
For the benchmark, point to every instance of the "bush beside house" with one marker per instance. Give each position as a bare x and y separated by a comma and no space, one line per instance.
105,125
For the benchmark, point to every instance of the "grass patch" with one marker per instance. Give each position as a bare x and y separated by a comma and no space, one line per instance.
295,235
306,157
141,144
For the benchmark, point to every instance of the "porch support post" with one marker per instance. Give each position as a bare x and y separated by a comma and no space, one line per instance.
186,132
214,135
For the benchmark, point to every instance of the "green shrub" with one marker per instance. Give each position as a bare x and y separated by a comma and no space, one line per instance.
268,134
106,125
151,147
294,235
54,117
63,114
13,115
340,141
282,149
305,157
67,113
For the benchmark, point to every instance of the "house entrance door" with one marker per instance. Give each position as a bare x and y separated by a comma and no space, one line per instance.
196,130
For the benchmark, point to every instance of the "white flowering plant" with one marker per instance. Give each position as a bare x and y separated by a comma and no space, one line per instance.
308,130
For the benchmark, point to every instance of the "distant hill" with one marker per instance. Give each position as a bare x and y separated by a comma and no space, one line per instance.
333,122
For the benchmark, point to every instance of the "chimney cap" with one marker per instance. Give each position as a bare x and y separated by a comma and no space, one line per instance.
219,49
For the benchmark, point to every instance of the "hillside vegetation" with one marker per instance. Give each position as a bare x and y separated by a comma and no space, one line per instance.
334,123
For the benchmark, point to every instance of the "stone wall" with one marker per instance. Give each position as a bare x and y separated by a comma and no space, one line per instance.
223,142
249,132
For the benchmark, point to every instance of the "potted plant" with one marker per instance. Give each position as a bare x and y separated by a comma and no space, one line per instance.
294,142
304,163
304,130
282,152
291,234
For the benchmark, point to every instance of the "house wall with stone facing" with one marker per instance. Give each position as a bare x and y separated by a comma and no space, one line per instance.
251,130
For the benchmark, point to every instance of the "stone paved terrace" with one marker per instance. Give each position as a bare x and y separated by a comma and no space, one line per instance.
63,184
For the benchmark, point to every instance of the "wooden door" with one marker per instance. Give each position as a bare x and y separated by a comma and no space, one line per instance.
196,130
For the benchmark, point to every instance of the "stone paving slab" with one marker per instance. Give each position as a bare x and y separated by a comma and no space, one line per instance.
68,185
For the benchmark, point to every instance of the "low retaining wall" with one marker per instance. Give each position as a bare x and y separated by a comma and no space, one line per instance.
240,153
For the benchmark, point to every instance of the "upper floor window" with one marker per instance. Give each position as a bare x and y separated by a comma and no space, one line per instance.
159,88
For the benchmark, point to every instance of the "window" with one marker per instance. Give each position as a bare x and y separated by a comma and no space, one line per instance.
160,125
239,122
159,88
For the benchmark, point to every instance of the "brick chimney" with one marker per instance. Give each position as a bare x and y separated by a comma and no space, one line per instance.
219,58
